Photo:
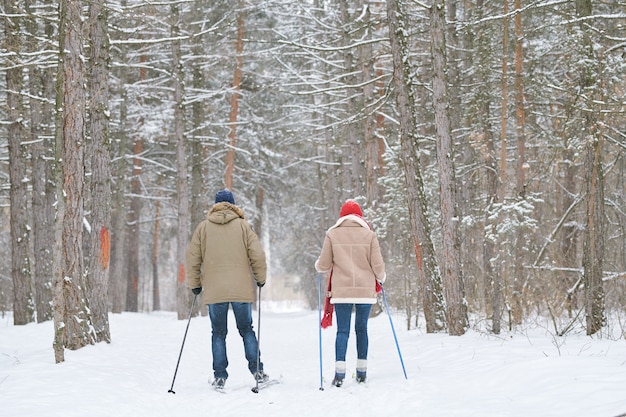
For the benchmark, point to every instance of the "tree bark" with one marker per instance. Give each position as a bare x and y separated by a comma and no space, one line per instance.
23,300
593,244
520,115
200,173
98,272
234,99
353,157
119,213
428,272
199,150
593,240
132,233
569,242
503,166
57,258
484,141
72,304
183,295
372,160
41,84
451,259
156,296
501,180
134,216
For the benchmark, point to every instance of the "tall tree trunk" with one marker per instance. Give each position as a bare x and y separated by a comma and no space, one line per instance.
133,230
504,118
370,128
451,259
353,157
183,295
41,84
484,142
501,180
234,99
118,266
199,149
199,163
568,247
23,301
522,166
98,272
57,173
134,215
259,202
428,272
453,65
156,297
72,304
593,241
376,145
119,214
51,188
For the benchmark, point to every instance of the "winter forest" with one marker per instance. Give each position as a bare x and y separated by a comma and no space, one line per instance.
485,140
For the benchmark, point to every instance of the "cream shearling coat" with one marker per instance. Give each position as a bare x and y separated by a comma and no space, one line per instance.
352,251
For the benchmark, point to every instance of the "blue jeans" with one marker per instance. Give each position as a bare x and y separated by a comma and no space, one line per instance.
219,324
344,316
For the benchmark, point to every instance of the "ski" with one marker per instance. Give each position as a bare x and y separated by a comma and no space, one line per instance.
263,385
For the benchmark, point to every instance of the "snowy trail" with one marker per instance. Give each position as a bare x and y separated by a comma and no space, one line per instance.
529,374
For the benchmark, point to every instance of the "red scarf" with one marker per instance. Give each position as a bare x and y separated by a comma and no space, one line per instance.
327,318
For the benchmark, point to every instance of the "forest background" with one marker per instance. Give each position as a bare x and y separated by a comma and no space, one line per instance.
484,139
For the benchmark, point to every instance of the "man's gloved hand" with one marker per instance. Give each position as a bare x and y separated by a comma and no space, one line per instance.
260,284
196,291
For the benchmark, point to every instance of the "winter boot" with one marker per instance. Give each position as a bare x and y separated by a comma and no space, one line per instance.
261,377
340,373
361,370
360,376
218,383
338,380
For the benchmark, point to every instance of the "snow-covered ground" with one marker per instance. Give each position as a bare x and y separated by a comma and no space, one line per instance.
526,373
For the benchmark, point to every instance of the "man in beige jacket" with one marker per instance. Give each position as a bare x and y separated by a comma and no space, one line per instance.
224,257
352,252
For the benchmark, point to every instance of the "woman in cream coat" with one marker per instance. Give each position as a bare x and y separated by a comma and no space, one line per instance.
352,252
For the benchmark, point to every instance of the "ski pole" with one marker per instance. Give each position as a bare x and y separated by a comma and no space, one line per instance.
393,331
319,324
193,304
258,346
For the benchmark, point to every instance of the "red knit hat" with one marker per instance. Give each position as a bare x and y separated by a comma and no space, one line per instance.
350,207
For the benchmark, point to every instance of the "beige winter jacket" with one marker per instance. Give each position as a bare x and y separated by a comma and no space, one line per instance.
224,256
351,249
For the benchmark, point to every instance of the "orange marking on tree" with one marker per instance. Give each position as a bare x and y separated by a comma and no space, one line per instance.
105,247
418,255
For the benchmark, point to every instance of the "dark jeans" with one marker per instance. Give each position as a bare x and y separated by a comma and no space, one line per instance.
219,323
344,316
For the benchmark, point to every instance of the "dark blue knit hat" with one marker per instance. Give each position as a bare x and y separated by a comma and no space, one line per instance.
225,195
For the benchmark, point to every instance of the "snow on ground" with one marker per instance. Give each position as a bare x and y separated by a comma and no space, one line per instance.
525,373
